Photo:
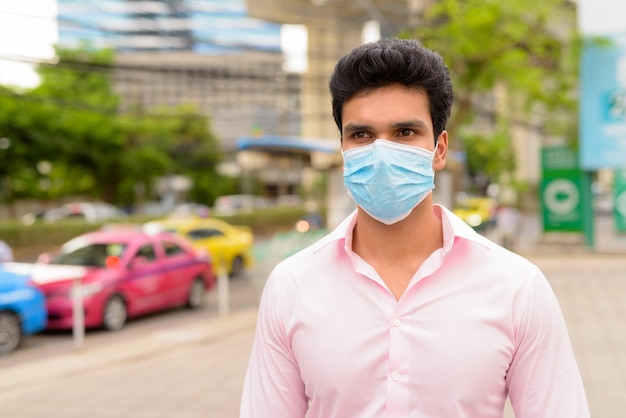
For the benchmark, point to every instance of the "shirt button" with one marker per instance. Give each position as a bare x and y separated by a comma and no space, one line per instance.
395,376
396,322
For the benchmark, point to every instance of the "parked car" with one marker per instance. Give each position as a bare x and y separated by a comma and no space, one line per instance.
190,210
477,212
124,273
22,309
92,212
230,245
238,203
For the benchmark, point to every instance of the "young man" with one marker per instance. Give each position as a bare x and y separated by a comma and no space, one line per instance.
403,310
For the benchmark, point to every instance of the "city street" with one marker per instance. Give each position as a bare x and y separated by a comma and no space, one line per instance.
251,129
243,294
194,368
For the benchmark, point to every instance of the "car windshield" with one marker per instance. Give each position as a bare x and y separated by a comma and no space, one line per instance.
94,255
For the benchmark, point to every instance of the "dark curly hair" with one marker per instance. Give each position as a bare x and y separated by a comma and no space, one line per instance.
391,61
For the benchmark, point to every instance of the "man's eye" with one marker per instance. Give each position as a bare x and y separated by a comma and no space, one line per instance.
361,136
407,132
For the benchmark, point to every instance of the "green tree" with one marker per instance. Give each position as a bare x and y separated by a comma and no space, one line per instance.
197,154
172,140
68,137
24,144
145,155
84,126
528,50
183,136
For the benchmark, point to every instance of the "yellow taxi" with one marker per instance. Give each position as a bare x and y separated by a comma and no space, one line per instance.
230,246
477,212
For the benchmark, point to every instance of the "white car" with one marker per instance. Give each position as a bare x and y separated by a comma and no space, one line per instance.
92,212
238,203
190,210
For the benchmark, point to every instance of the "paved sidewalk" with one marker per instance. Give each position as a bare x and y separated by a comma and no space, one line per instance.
197,371
592,292
191,372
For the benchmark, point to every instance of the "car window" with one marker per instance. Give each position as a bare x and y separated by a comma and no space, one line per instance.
204,233
171,248
147,251
94,255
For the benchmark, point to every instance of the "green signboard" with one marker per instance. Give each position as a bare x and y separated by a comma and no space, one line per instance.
619,193
561,190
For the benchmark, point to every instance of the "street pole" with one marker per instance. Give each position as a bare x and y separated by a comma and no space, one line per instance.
587,208
223,288
78,314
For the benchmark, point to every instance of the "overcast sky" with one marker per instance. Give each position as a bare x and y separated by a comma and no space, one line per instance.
601,17
27,29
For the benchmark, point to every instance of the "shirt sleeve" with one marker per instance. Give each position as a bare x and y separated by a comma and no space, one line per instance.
273,387
543,379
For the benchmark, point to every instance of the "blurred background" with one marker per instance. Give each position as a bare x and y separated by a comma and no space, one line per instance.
211,119
147,105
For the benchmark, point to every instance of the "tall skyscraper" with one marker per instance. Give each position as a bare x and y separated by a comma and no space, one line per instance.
201,26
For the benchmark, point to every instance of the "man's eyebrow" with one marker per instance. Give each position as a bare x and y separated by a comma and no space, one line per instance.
412,123
353,127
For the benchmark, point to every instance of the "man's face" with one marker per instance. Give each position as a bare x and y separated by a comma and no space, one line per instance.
395,113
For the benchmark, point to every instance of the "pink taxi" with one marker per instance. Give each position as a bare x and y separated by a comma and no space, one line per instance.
120,274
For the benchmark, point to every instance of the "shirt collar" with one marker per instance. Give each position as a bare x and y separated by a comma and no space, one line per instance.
453,228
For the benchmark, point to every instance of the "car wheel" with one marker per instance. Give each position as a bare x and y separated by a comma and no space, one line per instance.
10,332
197,292
237,267
115,314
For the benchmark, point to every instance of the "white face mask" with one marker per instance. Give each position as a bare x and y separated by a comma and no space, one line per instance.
388,180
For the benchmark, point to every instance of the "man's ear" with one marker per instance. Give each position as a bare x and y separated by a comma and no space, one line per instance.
439,162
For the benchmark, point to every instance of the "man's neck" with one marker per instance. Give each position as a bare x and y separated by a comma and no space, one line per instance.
417,236
397,251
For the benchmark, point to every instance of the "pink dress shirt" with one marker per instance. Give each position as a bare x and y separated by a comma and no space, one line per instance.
475,324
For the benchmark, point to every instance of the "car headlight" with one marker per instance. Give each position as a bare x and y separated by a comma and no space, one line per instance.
474,220
88,289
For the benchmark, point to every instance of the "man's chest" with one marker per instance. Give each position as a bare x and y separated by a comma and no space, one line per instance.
455,344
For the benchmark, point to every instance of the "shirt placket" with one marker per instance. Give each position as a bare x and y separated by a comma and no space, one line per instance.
399,365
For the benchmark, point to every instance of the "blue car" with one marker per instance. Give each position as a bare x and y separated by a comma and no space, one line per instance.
22,309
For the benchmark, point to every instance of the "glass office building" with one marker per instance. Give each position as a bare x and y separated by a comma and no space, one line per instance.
201,26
